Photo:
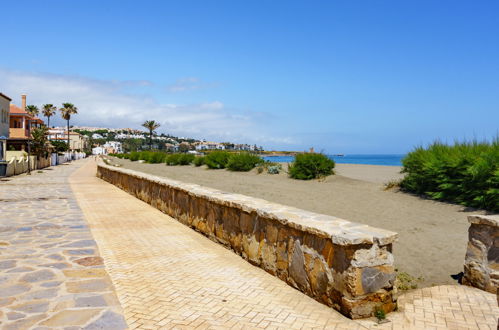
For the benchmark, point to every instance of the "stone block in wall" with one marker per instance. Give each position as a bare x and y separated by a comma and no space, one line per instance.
481,264
345,265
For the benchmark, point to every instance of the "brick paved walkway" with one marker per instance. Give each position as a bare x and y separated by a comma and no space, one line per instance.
51,274
167,275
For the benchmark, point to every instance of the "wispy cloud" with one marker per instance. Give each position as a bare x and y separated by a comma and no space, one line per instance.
109,104
189,84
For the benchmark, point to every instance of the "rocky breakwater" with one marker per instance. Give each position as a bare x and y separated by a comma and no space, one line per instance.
481,264
345,265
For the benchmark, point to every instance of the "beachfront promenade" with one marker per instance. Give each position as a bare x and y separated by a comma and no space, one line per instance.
164,274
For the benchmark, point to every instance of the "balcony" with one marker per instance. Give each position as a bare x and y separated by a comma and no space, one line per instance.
18,133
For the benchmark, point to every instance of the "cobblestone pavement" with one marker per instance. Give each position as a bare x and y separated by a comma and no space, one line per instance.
51,274
169,276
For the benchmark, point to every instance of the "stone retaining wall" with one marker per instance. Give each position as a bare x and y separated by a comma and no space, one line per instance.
345,265
481,265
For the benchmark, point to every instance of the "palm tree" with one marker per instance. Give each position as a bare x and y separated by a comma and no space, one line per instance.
67,110
48,111
40,142
32,110
151,125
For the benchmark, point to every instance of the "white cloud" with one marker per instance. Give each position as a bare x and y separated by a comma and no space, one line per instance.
189,84
106,104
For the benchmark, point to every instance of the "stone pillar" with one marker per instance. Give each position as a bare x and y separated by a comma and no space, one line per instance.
481,264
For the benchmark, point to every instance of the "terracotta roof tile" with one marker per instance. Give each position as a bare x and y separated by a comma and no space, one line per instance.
15,109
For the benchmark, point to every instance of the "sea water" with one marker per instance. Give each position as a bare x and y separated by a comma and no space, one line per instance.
387,160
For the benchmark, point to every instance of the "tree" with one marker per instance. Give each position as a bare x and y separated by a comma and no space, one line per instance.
48,110
60,146
40,143
151,125
67,110
32,110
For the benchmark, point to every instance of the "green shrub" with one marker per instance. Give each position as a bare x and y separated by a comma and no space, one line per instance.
270,167
156,157
172,159
311,166
243,162
179,159
134,156
199,161
465,173
274,169
186,159
144,155
217,159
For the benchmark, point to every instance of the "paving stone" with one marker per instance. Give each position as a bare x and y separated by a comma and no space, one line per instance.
51,284
41,294
38,276
6,301
6,264
90,261
15,316
84,273
25,323
20,270
109,320
79,252
82,243
71,317
88,286
93,301
34,306
57,265
14,289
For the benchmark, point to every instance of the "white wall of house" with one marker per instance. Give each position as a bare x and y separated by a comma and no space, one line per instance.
99,151
4,125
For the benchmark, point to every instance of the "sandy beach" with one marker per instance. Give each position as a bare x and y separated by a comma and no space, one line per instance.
432,235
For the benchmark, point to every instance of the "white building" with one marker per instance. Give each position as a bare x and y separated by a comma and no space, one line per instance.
99,151
113,147
97,136
210,146
122,136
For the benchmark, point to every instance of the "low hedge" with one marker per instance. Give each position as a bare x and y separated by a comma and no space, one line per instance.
179,159
465,173
199,161
243,162
217,159
311,166
134,156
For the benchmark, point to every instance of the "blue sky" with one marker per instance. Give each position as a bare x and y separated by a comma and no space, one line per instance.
342,76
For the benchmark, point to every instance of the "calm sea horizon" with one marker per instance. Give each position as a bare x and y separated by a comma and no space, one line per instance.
386,160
